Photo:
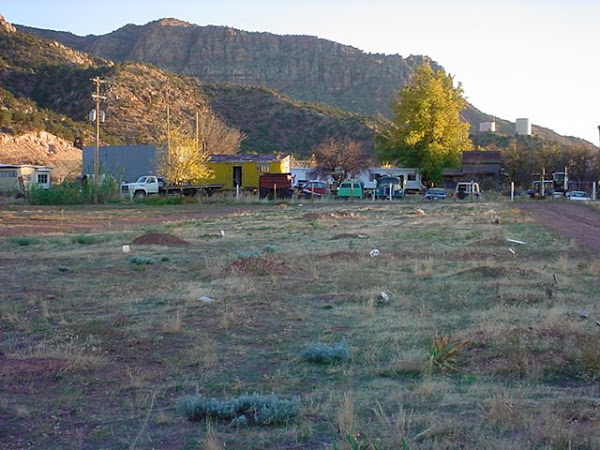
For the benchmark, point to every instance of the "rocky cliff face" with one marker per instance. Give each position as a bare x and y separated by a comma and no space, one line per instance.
303,67
42,148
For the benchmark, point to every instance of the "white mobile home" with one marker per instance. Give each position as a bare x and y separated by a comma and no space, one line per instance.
301,175
18,177
412,177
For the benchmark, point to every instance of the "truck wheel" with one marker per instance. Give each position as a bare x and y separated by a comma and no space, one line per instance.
139,194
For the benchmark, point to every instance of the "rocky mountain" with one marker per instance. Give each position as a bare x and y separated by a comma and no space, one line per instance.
304,68
42,148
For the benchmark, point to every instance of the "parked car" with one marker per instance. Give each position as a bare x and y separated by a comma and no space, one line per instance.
389,187
435,194
578,196
466,189
314,189
351,189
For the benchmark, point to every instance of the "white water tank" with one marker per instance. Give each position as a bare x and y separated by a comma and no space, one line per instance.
487,126
523,126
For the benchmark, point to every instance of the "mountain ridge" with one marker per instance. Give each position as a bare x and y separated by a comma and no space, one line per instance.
338,75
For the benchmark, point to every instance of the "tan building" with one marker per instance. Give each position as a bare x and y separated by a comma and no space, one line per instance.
18,177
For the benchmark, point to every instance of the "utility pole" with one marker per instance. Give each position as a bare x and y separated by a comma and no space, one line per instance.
97,98
197,131
168,138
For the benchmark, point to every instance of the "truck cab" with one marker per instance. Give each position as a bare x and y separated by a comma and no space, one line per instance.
145,185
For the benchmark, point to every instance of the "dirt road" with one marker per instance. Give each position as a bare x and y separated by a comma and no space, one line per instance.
573,220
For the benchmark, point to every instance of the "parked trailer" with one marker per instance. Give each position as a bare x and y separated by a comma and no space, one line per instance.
148,185
275,185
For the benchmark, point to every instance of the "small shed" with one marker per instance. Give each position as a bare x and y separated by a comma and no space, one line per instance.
244,169
483,166
18,177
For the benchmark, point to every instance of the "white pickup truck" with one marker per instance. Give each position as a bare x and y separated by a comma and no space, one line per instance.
148,185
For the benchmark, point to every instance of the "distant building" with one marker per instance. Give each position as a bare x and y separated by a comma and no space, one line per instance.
124,162
18,177
244,169
129,162
489,127
523,127
482,166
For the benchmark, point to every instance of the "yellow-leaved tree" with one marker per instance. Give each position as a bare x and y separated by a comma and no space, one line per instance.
427,132
182,160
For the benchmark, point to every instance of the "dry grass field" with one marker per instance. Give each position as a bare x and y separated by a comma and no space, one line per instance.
450,335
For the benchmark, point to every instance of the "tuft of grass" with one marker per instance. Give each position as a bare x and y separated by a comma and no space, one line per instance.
173,324
500,410
247,409
424,268
346,416
443,353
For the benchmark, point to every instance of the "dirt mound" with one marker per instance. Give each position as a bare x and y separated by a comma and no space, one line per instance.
159,239
257,267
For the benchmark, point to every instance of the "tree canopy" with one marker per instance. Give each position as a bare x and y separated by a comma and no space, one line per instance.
182,161
340,158
427,131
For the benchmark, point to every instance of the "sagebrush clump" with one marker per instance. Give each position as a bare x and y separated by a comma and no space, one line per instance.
248,409
327,354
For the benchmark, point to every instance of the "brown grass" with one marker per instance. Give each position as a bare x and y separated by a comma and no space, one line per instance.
109,348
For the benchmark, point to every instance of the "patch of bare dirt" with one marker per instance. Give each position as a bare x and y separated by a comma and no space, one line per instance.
332,215
26,367
159,239
349,236
575,221
257,267
344,254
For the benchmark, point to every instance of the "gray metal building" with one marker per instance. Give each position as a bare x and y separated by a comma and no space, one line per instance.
124,162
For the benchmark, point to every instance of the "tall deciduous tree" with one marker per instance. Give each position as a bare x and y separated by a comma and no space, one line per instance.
340,158
428,132
183,160
215,137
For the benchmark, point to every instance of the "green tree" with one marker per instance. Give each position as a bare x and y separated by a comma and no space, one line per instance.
427,132
182,161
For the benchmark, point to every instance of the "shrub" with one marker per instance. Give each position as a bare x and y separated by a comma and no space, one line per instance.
54,195
327,354
246,409
139,260
23,241
73,193
88,240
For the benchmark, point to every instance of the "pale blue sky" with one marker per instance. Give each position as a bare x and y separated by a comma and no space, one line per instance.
515,58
